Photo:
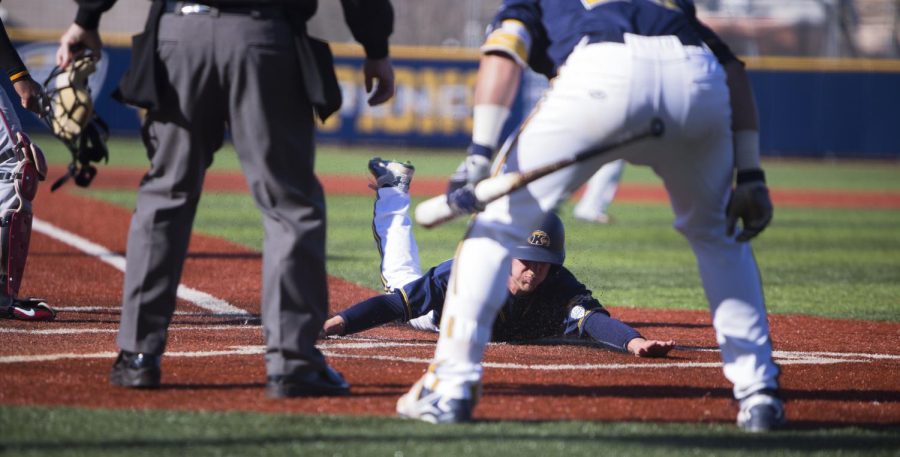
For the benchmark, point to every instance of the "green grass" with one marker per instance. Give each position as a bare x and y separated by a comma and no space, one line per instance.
826,262
42,431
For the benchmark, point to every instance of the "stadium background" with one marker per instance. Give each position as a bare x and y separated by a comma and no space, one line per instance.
826,72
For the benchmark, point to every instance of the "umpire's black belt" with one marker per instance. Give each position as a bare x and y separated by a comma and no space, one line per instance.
182,8
618,36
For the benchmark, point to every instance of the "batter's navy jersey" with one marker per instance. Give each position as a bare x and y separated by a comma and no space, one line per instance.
557,26
559,306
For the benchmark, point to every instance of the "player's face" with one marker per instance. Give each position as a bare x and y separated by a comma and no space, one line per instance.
526,276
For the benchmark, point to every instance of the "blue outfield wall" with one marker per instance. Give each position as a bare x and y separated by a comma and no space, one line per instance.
808,107
828,113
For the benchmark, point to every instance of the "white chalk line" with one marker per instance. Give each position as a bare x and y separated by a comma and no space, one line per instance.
76,331
335,348
197,297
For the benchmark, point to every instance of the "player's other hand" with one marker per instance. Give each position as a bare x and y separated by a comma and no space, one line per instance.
30,93
641,347
74,41
461,188
750,203
379,70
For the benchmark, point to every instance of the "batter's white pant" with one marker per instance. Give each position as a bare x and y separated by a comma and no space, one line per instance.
600,192
603,91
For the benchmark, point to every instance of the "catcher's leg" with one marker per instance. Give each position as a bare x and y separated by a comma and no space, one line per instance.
19,175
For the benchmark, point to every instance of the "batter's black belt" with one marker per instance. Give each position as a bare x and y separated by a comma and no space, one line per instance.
182,8
618,36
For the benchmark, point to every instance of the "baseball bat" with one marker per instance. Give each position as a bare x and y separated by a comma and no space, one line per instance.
436,210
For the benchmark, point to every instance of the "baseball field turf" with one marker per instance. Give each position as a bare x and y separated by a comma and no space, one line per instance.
824,260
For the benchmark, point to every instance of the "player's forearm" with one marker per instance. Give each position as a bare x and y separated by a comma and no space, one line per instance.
371,313
743,106
744,117
495,90
498,80
609,332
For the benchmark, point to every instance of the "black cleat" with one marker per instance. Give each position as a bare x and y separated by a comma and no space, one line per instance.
324,383
391,173
135,370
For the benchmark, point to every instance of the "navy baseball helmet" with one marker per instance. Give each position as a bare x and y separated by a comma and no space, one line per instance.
545,244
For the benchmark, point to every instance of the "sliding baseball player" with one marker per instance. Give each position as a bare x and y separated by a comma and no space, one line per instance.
544,299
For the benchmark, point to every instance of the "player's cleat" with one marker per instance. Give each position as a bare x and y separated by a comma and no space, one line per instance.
423,404
327,382
29,309
761,412
390,173
136,370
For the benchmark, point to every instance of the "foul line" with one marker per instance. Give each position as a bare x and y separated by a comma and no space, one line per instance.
197,297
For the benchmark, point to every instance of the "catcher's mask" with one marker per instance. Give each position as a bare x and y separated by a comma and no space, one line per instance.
68,111
545,244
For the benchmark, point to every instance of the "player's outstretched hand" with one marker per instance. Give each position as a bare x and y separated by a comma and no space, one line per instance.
641,347
333,327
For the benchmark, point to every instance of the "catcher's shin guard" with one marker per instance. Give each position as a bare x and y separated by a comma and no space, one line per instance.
15,223
15,235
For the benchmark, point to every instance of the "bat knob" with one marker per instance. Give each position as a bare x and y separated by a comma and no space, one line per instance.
657,127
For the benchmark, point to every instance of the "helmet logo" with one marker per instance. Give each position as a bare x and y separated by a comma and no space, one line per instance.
539,238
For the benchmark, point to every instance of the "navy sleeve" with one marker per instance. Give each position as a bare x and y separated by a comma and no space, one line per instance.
428,292
587,318
609,332
579,301
414,299
529,13
378,310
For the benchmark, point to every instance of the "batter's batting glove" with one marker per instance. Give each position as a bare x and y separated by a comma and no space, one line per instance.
750,203
463,200
478,163
475,168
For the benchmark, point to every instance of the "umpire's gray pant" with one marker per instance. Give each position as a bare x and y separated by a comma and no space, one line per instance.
238,70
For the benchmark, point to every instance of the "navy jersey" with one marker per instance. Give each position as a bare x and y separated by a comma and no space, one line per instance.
557,26
557,307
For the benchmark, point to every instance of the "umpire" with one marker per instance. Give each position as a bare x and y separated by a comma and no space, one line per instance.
250,66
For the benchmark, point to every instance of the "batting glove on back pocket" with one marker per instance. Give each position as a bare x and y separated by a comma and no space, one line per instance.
750,203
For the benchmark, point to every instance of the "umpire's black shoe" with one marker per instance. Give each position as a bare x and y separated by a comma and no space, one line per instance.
327,382
136,370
